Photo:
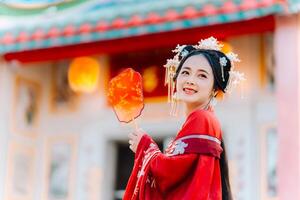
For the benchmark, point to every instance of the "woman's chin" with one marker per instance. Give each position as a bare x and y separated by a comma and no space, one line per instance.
189,100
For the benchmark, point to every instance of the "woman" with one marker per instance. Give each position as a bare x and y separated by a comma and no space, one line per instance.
194,166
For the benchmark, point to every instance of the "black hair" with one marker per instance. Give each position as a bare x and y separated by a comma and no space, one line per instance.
226,189
213,57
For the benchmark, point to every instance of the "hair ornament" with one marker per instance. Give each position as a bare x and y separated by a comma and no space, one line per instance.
233,58
171,67
210,44
178,48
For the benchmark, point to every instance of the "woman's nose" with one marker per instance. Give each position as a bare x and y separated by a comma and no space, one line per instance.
190,80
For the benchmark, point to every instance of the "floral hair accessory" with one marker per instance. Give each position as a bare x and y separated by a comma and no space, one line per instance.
209,43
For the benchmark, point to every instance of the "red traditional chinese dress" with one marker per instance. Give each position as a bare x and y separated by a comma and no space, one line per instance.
188,170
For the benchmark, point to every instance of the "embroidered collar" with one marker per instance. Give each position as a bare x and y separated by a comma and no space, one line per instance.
179,145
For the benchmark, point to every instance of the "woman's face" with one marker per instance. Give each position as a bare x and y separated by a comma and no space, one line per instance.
195,81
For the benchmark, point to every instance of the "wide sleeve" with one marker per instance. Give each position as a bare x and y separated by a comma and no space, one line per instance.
139,160
170,171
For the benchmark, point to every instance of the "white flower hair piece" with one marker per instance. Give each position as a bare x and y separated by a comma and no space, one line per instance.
235,78
209,43
178,48
233,58
184,53
223,61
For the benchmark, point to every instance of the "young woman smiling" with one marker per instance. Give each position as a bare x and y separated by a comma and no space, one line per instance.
194,166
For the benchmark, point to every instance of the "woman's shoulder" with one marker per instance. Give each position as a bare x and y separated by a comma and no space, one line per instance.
202,122
204,116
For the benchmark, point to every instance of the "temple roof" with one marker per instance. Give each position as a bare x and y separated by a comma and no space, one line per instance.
36,24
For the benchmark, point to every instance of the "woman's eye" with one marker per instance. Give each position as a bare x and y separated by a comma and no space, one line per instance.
202,76
185,72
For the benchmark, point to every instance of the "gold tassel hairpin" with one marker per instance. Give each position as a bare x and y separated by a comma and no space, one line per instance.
171,67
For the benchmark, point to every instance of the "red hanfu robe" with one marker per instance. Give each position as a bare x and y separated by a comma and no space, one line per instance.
188,170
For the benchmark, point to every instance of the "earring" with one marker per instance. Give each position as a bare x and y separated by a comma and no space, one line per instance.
213,101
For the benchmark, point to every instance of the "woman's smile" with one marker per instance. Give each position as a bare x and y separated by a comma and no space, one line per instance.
189,90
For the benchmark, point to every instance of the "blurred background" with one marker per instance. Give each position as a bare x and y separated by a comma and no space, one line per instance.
60,140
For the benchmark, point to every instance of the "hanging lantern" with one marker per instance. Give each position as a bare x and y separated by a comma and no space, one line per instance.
83,74
150,79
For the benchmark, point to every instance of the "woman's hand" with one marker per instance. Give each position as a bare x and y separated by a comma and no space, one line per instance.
135,138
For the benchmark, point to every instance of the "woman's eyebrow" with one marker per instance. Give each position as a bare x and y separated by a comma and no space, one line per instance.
202,70
186,68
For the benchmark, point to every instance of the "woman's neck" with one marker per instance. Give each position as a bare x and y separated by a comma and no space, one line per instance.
190,107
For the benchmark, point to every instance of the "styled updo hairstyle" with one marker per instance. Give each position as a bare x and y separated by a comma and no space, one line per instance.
213,57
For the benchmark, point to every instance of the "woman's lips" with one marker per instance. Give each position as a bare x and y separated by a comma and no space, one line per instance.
189,91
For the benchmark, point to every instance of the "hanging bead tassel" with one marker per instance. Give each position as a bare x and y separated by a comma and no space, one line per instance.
176,105
172,99
169,91
213,102
166,75
242,90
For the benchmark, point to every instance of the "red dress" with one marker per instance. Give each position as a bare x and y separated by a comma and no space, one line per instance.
188,170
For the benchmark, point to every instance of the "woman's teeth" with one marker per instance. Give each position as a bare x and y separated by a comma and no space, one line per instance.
189,91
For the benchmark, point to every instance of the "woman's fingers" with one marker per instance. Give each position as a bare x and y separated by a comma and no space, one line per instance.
131,142
132,147
134,139
131,136
134,133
